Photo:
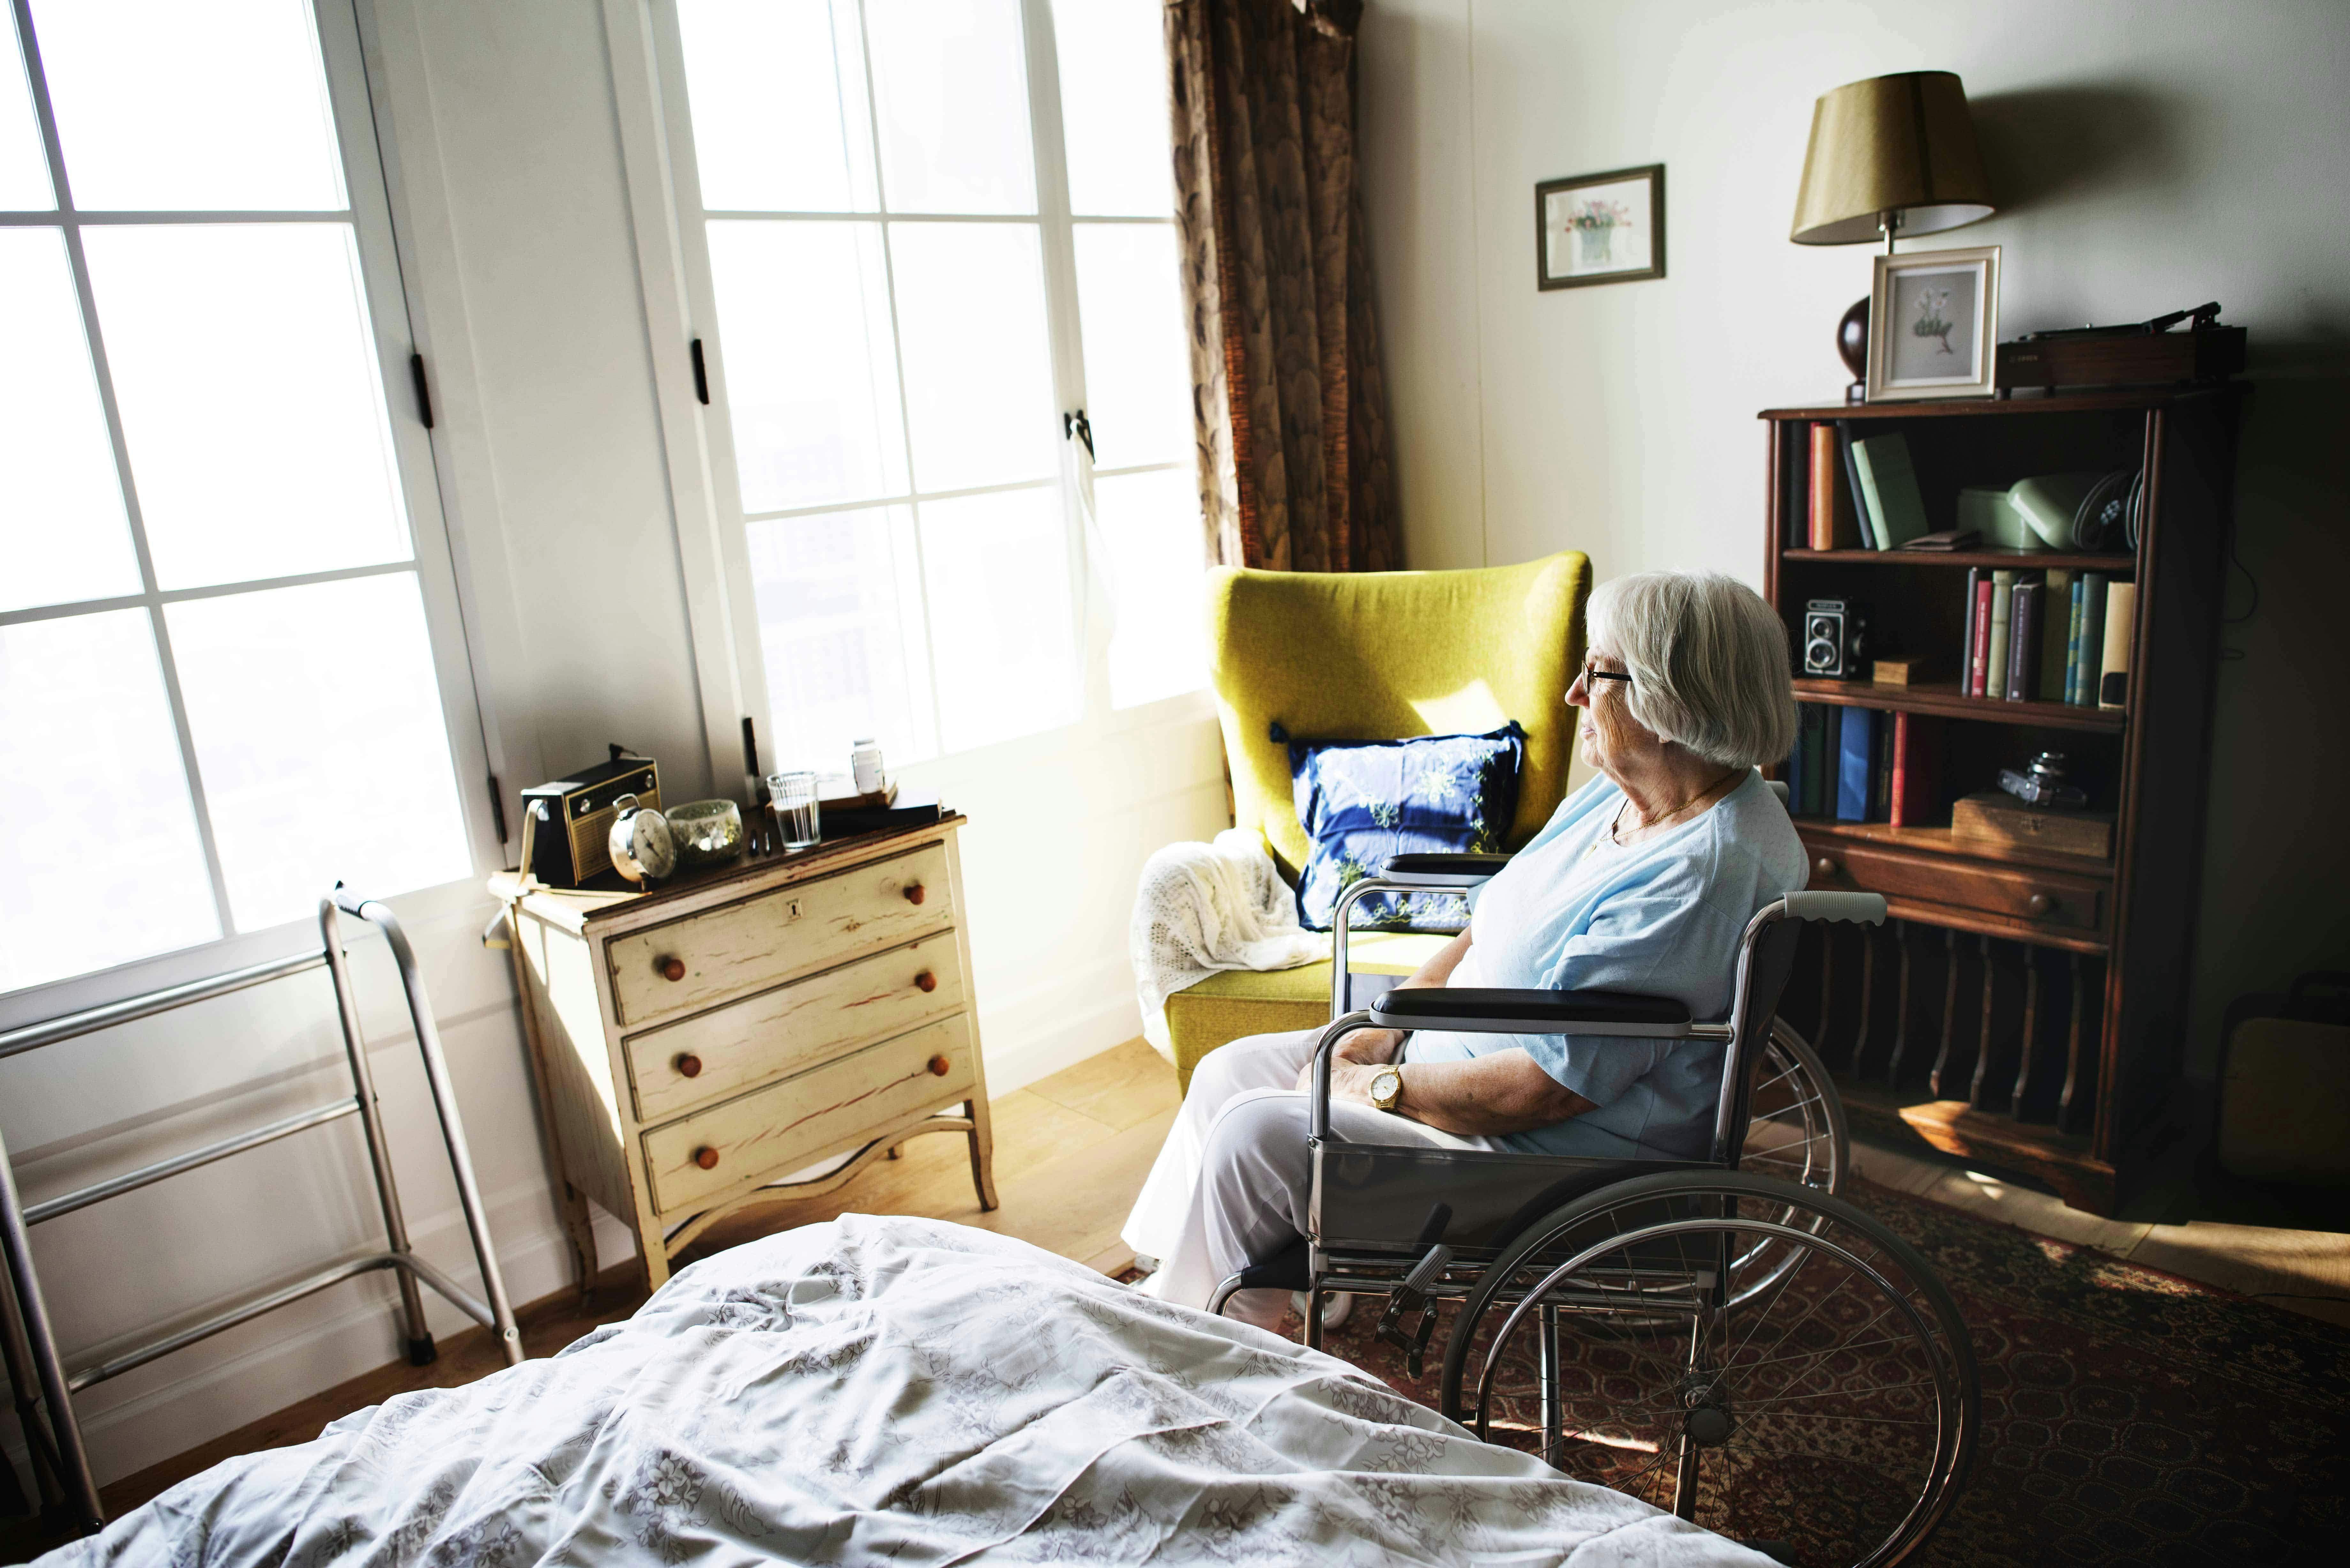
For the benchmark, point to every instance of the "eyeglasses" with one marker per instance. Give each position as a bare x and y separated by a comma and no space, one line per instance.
1591,672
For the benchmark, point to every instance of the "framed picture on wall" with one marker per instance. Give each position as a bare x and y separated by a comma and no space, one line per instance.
1941,311
1600,228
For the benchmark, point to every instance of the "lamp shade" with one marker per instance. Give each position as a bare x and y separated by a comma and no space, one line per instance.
1890,144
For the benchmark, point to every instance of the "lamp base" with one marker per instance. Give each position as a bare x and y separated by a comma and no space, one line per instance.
1852,347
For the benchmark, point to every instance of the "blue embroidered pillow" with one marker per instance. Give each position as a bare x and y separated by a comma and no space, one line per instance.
1363,800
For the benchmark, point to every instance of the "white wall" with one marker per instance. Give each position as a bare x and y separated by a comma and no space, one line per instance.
2150,155
518,254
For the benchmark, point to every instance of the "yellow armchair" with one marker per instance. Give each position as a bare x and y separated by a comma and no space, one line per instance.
1374,656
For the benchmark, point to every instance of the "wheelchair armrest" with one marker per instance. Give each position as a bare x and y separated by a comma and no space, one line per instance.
1488,1011
1441,871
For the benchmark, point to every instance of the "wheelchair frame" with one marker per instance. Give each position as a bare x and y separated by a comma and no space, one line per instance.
1421,1223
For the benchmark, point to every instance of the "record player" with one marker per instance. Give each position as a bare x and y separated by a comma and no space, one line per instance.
2141,354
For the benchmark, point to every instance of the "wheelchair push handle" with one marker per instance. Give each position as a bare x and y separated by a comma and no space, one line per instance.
1861,908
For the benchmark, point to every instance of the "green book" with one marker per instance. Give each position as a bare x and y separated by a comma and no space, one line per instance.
1889,494
2088,654
2056,634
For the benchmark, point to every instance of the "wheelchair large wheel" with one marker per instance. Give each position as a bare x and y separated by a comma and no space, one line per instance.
1830,1413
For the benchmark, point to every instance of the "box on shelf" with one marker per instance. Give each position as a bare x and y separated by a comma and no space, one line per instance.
1997,817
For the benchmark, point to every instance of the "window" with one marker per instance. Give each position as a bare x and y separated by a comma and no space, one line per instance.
912,284
217,690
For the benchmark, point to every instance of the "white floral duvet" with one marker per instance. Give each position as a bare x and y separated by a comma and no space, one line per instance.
908,1391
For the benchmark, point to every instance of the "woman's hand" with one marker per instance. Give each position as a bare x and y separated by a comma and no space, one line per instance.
1366,1047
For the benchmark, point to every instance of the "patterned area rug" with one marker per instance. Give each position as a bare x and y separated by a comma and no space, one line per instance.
2129,1417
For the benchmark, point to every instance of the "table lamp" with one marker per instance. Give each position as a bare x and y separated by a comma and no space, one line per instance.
1891,155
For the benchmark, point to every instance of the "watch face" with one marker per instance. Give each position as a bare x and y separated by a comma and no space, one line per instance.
1385,1086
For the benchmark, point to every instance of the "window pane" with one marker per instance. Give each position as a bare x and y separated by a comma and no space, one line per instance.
61,525
105,866
979,381
24,167
1115,115
317,717
1138,367
950,86
780,122
997,567
164,105
1158,561
809,372
250,398
840,619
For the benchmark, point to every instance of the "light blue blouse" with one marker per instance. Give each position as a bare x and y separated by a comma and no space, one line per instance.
1663,918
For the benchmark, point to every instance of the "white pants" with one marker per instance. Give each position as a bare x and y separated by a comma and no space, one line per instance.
1232,1183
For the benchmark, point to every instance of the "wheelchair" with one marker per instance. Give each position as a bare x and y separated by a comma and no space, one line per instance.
1724,1338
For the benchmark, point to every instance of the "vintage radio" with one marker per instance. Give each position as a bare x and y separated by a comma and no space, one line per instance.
567,824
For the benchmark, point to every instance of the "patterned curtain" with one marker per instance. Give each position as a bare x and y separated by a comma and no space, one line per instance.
1287,402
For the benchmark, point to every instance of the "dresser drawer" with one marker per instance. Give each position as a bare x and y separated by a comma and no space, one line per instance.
2050,900
697,962
774,1131
679,1066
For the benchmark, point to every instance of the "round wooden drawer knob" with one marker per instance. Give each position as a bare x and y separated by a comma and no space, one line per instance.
914,893
671,967
706,1157
688,1067
926,981
941,1066
1826,866
2041,904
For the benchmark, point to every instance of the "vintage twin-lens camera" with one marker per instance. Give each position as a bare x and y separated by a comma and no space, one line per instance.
1836,639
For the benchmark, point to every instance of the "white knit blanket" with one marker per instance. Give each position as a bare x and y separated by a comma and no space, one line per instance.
1204,907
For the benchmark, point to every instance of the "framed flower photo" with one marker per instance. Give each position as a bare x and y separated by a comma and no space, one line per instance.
1600,228
1940,332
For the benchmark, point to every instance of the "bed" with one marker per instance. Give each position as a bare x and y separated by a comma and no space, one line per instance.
910,1391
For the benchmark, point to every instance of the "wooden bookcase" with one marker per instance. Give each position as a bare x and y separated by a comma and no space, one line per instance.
2023,1008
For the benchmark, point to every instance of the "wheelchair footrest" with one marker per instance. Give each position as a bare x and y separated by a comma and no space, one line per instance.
1411,1296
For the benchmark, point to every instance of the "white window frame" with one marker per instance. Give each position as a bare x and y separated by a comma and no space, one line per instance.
368,214
672,250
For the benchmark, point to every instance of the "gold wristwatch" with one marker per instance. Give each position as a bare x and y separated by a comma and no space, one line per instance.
1387,1087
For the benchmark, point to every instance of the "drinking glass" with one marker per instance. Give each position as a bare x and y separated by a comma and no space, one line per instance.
793,798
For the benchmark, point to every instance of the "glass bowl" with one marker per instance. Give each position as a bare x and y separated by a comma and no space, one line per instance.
708,833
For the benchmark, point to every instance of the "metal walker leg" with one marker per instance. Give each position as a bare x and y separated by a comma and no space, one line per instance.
60,1459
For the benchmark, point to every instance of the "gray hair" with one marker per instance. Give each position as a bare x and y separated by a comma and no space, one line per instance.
1707,660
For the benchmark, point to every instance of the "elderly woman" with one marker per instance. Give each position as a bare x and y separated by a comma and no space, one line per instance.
1643,880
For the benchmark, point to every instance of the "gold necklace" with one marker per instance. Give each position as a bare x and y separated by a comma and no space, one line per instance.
1615,834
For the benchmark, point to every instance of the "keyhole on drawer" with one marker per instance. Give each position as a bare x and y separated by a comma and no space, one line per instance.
914,893
941,1066
706,1157
688,1067
671,967
926,981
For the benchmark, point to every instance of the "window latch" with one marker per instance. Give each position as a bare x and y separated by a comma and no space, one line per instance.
1076,427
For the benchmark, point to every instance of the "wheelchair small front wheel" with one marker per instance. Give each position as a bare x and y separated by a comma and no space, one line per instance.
1619,1338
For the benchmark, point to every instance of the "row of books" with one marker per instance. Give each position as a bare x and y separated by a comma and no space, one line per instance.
1877,507
1862,764
2049,637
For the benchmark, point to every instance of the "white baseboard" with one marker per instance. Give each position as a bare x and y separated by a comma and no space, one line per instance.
1038,1034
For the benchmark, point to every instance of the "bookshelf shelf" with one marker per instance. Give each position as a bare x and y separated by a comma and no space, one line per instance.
2023,1008
1941,698
1994,556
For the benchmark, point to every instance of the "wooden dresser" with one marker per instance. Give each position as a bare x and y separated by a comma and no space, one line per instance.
695,1045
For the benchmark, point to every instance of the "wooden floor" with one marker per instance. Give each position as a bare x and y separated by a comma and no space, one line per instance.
1071,1152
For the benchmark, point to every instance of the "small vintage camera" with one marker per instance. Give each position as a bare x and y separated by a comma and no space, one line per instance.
1836,639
